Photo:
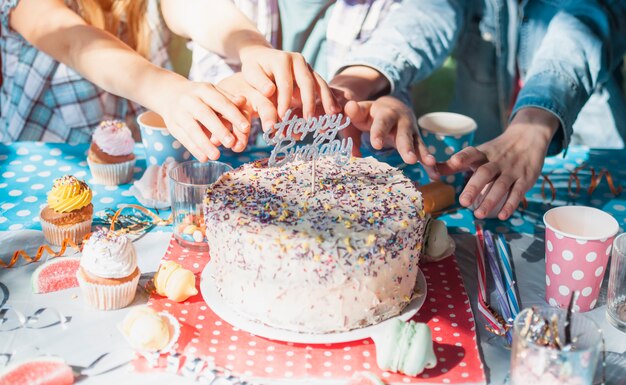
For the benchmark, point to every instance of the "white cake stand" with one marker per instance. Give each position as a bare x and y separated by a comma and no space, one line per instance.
225,312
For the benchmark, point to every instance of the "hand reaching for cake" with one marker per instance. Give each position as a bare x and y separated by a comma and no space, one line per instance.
510,163
202,116
263,106
285,76
391,124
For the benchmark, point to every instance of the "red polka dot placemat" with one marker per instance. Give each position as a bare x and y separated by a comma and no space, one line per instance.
446,311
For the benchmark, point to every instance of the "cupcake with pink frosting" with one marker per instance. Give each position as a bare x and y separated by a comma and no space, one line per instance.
110,156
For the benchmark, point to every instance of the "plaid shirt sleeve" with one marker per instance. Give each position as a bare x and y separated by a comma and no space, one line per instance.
42,99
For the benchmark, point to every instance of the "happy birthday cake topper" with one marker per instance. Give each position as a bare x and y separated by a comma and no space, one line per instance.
324,130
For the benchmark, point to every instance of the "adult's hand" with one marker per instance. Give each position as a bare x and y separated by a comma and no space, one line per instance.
512,162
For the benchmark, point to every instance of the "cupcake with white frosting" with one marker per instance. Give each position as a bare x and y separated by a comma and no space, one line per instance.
108,272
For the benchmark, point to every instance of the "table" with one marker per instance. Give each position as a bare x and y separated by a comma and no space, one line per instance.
26,173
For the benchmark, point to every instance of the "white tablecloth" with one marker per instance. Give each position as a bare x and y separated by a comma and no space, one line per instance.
91,333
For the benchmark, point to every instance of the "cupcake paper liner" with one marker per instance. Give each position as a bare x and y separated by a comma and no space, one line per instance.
112,174
108,297
55,234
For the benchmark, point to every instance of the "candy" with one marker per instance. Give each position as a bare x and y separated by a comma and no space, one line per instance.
198,236
174,282
190,229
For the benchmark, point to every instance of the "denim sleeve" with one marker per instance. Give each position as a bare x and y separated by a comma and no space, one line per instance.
411,42
584,43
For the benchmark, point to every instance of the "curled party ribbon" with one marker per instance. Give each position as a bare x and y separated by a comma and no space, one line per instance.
574,184
33,321
156,220
41,250
596,180
546,179
131,229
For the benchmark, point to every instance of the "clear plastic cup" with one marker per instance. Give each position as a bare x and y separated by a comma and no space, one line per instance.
616,298
188,184
535,364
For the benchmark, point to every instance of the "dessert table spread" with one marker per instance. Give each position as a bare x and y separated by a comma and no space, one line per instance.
79,335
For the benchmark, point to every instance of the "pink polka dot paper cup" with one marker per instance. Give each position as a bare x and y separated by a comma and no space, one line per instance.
578,245
159,144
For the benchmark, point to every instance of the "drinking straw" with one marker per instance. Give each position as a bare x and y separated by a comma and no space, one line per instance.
492,260
496,326
508,275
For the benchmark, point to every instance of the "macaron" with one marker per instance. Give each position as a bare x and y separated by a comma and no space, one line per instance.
420,354
405,347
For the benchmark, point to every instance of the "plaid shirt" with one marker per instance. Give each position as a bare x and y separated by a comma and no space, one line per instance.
351,23
42,99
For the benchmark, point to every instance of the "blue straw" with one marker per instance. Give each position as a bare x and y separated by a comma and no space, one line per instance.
497,278
509,277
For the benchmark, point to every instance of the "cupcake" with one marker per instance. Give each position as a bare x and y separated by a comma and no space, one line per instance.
108,272
69,211
110,156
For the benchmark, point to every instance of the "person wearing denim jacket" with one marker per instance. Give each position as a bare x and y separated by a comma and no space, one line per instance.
564,52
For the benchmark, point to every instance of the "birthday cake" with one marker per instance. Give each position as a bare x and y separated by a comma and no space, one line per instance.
342,256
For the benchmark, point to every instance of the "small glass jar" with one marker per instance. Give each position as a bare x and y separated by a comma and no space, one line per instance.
532,363
616,298
189,182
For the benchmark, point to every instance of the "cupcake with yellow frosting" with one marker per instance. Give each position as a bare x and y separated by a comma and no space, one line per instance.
69,211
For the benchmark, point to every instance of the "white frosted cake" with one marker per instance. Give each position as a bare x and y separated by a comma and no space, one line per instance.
341,258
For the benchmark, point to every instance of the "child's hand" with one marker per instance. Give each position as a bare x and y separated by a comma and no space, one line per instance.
201,116
512,161
286,75
256,101
391,124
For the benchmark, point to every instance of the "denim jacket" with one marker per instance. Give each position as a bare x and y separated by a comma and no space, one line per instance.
565,52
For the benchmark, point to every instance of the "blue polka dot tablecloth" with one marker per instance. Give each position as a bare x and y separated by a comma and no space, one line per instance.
27,170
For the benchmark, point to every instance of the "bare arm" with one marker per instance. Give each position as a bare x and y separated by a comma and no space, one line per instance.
217,25
109,63
220,27
97,55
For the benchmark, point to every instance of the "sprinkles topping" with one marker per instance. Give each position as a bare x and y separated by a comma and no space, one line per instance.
360,215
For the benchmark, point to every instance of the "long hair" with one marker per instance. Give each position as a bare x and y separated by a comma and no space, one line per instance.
109,14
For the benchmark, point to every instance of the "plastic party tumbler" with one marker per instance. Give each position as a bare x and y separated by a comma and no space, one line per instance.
616,298
159,144
534,359
578,244
446,133
189,182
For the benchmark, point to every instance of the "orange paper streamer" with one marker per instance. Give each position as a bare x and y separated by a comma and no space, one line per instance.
40,252
596,180
546,179
156,220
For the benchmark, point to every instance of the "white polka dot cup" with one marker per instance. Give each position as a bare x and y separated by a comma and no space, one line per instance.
446,133
578,244
159,144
